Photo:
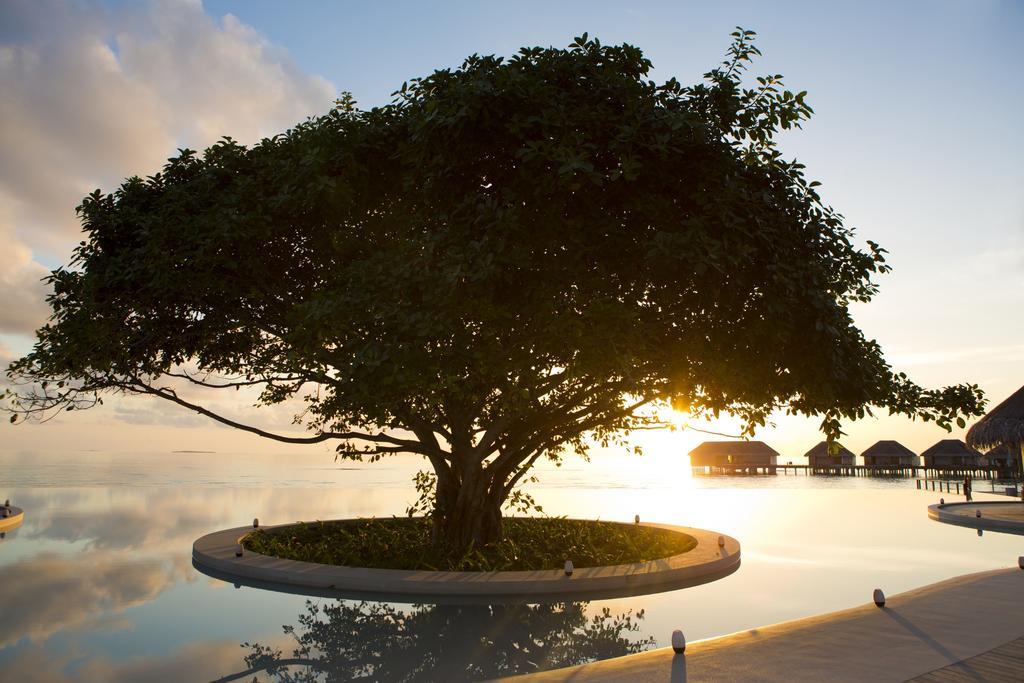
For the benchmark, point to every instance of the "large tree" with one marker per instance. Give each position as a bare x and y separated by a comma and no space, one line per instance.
514,258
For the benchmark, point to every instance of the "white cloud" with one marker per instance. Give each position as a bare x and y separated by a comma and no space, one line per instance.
47,593
22,292
93,94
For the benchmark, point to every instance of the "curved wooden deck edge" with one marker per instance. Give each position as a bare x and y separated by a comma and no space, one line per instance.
915,633
963,514
13,520
215,555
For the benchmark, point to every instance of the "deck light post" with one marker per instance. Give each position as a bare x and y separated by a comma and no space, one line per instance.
879,598
678,642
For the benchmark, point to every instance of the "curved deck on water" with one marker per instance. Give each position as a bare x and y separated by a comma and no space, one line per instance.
15,516
1002,516
216,555
937,632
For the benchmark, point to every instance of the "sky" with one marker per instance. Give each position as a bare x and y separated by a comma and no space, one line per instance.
915,137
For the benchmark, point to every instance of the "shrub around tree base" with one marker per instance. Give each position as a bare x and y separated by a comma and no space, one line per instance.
527,544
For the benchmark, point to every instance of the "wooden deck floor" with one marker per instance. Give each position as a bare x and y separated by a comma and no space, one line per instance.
954,631
1004,663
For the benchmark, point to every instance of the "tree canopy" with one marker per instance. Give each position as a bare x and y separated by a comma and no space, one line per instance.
510,259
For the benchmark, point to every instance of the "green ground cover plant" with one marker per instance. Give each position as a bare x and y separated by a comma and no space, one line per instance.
528,543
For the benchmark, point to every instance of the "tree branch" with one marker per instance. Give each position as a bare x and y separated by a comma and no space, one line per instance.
169,395
229,384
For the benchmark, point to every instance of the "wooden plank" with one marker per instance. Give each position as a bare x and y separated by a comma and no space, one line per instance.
1015,647
996,675
993,660
1006,653
936,677
948,674
1004,663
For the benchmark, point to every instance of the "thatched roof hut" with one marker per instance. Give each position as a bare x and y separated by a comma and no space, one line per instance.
1004,424
1003,457
725,453
951,453
889,453
820,457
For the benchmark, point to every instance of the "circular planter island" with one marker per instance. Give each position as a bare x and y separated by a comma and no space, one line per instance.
712,557
1000,516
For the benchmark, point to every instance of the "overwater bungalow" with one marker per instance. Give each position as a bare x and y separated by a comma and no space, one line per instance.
734,456
889,454
819,457
951,454
1003,457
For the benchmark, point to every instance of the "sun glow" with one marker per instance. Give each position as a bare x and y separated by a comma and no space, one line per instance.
663,465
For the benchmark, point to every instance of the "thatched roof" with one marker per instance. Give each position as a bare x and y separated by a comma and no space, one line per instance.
712,448
1002,424
951,447
888,447
1004,452
821,451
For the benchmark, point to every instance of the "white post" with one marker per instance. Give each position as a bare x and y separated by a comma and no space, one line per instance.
678,642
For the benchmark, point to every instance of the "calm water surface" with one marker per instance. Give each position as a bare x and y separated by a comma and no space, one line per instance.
98,585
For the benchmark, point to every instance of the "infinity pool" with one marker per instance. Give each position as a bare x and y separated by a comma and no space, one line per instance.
98,585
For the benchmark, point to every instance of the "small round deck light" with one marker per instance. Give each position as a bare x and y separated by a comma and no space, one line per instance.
636,519
568,567
1020,561
977,513
721,541
239,550
255,522
942,501
678,642
980,532
879,597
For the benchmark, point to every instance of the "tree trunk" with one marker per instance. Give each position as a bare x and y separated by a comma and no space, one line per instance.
467,515
474,523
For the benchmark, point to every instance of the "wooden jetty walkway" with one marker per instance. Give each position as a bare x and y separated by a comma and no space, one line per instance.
906,471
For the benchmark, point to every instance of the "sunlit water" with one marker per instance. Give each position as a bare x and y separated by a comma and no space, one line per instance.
98,585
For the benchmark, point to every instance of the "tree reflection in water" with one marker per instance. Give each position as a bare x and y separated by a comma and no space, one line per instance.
378,642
